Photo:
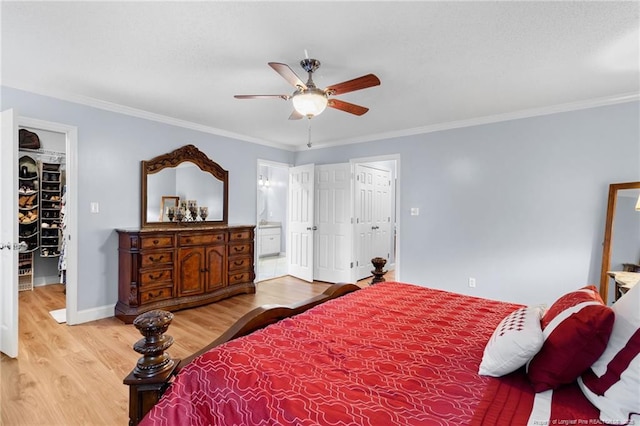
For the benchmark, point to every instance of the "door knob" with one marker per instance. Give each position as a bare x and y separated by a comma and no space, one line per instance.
312,228
4,246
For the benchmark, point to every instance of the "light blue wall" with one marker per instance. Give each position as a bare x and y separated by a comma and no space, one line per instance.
110,147
518,205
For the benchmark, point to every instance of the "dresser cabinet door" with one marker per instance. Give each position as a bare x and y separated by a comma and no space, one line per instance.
191,269
215,268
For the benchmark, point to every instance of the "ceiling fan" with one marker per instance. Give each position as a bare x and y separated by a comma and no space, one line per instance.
309,101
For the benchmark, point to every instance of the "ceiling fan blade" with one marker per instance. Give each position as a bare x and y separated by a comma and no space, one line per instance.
287,73
359,83
295,115
285,97
347,107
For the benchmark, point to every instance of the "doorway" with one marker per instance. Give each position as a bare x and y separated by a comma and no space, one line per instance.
58,147
271,230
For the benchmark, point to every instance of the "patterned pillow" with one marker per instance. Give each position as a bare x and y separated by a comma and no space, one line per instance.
612,383
516,339
576,329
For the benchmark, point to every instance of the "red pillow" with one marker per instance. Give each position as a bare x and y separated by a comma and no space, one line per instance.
576,330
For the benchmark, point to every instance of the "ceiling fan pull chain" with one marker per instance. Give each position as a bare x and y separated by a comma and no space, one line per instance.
309,132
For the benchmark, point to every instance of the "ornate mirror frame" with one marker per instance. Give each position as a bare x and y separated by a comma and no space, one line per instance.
608,234
188,153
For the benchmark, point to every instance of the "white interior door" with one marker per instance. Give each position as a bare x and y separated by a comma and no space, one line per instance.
382,213
332,253
300,229
364,225
372,217
9,235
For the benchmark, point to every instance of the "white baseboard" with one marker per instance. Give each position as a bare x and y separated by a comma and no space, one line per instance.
42,281
94,314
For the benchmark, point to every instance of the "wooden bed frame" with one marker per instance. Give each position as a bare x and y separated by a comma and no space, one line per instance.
155,370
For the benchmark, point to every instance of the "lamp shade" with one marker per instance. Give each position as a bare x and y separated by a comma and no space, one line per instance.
638,204
310,102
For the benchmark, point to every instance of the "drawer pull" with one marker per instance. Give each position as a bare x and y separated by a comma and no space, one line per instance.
239,249
238,262
158,259
156,276
188,240
156,294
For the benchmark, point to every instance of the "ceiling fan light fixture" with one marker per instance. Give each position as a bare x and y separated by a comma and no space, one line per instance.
310,102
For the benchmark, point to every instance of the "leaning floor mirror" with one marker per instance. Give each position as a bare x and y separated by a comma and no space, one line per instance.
621,246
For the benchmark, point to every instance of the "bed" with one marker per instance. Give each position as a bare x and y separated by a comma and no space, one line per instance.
388,354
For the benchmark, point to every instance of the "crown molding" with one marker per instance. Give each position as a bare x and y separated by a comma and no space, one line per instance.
139,113
514,115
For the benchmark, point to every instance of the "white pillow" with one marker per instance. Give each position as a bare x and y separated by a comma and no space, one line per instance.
515,341
612,383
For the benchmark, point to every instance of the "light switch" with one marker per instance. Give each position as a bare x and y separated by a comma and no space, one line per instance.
95,207
415,211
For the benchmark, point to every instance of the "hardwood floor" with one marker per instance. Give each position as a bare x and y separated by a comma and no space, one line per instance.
72,375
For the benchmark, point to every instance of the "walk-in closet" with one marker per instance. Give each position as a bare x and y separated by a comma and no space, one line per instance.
41,208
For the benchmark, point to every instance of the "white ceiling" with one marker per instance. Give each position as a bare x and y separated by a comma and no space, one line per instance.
442,64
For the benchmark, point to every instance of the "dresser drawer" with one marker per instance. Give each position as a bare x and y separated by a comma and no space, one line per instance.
201,239
238,249
240,235
154,258
156,294
154,277
240,277
239,263
158,241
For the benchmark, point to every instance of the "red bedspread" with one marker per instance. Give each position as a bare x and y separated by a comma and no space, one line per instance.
390,354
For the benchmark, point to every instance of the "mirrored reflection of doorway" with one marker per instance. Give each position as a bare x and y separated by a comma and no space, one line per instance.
271,222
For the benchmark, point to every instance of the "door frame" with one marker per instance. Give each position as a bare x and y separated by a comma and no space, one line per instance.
397,201
71,206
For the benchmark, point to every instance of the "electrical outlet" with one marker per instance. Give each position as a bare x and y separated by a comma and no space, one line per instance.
472,282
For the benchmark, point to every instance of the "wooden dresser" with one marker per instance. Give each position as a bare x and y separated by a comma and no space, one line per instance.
177,268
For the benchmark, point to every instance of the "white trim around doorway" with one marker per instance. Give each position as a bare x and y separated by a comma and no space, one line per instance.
71,164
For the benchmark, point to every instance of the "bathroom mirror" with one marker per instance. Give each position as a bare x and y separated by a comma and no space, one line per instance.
621,239
192,178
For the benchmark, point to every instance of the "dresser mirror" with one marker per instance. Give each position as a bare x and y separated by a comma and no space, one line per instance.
183,188
621,244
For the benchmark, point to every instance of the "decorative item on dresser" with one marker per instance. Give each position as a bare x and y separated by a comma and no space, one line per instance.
175,264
